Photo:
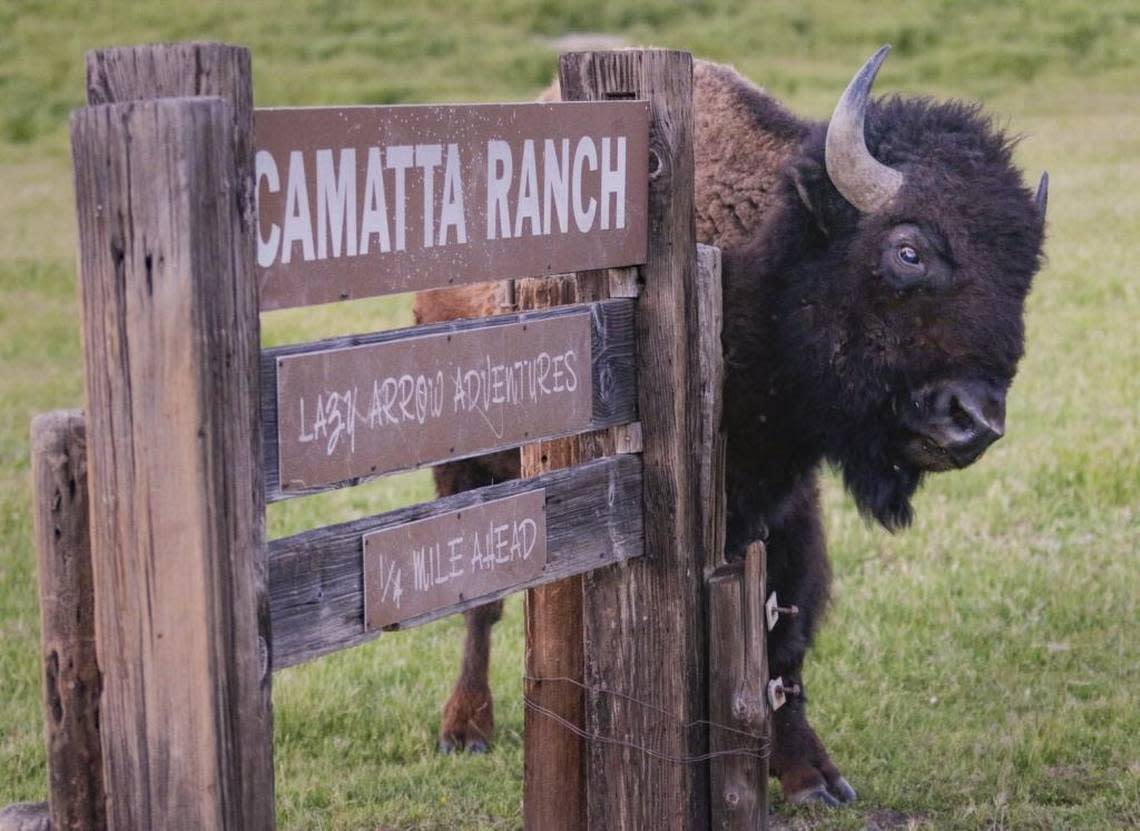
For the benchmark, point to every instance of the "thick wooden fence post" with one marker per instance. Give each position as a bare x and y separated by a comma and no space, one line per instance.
169,297
554,758
644,623
76,796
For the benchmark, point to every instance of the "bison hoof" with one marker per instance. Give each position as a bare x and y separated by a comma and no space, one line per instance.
477,746
468,723
457,744
834,794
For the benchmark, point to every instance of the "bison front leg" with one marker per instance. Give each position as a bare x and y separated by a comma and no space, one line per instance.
468,715
801,762
468,718
799,572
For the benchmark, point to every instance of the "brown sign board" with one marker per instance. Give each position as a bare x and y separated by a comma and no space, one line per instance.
363,201
359,411
422,566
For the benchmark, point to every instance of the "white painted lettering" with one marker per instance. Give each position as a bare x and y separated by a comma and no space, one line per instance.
527,200
428,158
401,157
586,154
374,220
266,168
555,185
298,219
613,183
500,171
452,214
336,204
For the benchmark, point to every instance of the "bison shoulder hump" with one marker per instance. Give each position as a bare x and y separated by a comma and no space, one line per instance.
743,139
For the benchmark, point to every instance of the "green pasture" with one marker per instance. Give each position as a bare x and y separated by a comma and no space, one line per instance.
981,670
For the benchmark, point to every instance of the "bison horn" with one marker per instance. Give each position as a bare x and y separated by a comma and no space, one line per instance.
864,181
1041,200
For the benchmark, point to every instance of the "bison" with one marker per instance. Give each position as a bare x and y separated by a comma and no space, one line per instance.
875,274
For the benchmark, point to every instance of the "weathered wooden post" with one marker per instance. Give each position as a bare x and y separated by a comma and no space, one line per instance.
554,758
166,239
644,623
738,779
67,623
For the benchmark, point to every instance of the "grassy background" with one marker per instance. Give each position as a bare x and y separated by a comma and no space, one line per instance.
980,671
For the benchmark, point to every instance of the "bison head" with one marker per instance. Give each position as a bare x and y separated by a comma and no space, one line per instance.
906,295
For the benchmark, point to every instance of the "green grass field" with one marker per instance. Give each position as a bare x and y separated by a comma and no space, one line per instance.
979,671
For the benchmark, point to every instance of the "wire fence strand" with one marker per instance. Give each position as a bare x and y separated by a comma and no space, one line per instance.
758,751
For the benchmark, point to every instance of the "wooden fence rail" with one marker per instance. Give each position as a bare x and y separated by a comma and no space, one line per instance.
609,384
593,517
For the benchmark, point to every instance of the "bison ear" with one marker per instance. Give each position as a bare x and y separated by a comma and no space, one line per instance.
815,191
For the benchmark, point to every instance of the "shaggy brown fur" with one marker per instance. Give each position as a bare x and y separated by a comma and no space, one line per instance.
737,161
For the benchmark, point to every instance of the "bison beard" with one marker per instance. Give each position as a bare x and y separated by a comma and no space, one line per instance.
875,273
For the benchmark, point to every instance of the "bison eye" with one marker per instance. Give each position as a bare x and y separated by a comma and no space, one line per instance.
909,256
911,259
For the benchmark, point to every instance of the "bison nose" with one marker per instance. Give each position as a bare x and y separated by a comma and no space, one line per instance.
966,417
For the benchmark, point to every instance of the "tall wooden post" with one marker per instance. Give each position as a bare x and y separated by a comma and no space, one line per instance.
644,622
554,758
72,684
169,297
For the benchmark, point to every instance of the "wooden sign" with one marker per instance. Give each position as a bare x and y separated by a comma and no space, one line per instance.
364,410
594,517
416,568
363,201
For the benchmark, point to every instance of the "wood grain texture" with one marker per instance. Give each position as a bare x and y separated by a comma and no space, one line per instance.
554,758
644,622
171,334
316,578
613,370
738,783
737,678
710,354
72,683
182,70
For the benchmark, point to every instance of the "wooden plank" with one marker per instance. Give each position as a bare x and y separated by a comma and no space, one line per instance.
316,578
554,757
445,559
171,333
737,707
710,354
361,201
76,793
357,426
644,623
739,779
